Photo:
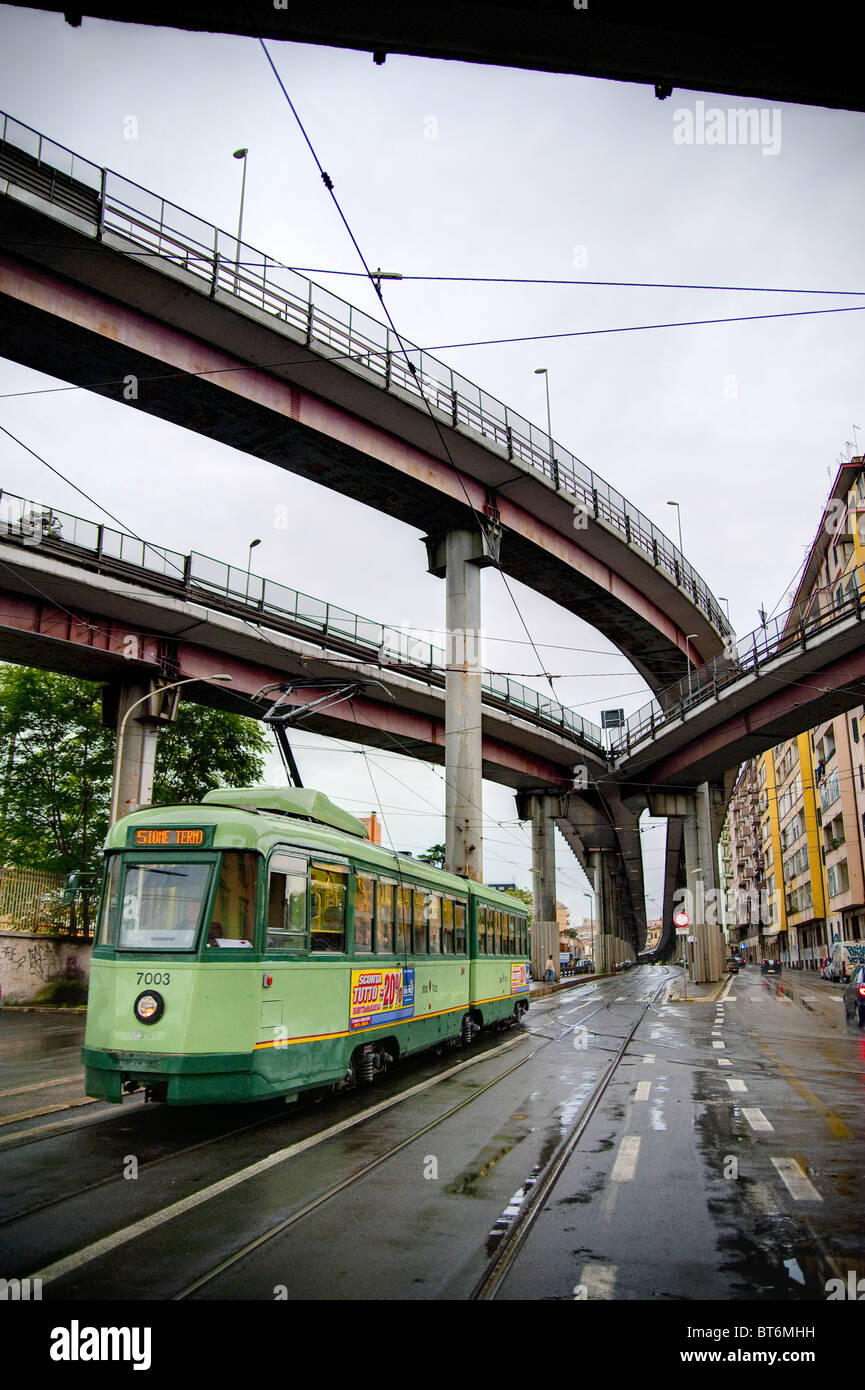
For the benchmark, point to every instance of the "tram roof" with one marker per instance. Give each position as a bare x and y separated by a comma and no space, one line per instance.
288,801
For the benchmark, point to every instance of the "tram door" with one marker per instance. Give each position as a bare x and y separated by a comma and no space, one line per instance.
286,939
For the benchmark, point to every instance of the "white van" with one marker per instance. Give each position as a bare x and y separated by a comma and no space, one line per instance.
846,955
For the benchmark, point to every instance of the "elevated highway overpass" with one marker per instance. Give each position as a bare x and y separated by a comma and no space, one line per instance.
755,51
103,283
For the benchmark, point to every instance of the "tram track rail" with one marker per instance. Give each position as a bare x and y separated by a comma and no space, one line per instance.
514,1238
77,1258
315,1203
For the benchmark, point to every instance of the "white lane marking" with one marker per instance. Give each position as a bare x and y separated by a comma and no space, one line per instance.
196,1199
643,1090
625,1165
809,998
655,1033
723,1062
735,1084
719,1044
649,1057
731,998
795,1180
757,1120
599,1281
619,998
716,1033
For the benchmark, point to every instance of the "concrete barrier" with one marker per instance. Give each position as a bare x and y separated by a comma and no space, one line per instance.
38,968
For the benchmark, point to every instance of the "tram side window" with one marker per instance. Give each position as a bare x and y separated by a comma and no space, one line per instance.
498,917
384,920
460,928
421,920
286,904
447,926
512,934
327,907
435,925
233,918
364,912
403,921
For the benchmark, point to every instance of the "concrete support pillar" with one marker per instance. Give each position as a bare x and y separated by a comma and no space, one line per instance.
545,928
463,737
694,899
713,932
135,756
606,947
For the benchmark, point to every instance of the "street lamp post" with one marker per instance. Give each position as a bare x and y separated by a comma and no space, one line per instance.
679,519
118,756
240,154
721,599
252,545
543,371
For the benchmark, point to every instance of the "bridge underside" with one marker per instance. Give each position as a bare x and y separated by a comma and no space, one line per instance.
755,51
815,686
196,361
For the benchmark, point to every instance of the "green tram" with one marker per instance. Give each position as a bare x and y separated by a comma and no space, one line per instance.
259,945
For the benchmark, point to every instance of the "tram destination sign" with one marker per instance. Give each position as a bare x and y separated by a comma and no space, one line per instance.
170,837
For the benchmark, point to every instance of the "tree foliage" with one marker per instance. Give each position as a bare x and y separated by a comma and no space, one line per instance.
435,855
525,898
56,766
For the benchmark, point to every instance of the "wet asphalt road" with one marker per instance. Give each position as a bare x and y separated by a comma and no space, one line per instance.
695,1180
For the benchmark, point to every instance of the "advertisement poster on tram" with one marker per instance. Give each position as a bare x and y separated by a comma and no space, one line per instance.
380,995
519,977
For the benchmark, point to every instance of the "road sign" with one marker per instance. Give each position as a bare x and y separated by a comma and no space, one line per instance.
681,919
681,931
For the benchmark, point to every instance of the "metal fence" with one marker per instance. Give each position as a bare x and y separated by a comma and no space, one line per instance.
145,225
31,523
31,900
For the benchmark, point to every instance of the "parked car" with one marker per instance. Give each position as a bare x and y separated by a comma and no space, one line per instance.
854,996
732,965
770,967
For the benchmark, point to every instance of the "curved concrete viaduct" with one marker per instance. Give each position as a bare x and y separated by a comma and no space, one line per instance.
96,289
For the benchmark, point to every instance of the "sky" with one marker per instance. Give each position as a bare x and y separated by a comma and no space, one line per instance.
450,169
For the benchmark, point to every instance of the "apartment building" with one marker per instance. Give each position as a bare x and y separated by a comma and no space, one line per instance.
811,788
743,867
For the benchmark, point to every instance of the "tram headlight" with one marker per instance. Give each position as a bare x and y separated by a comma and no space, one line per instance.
149,1007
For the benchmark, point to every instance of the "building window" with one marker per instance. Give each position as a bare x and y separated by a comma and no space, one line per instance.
854,724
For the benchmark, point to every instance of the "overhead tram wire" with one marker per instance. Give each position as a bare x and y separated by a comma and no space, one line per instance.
142,254
328,183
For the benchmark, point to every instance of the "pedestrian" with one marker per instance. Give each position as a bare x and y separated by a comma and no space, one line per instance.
551,974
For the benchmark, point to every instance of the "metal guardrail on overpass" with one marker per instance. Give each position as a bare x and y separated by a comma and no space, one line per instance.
789,632
266,603
330,325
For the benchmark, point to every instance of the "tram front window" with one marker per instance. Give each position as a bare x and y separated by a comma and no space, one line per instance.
161,905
